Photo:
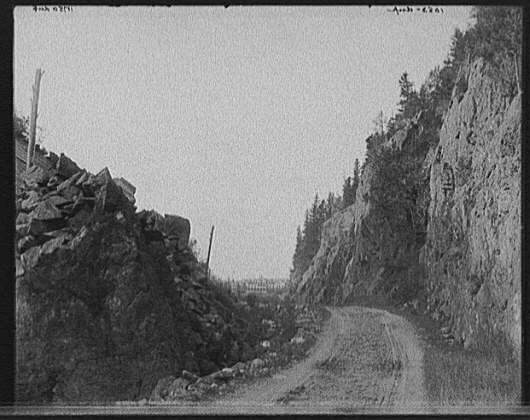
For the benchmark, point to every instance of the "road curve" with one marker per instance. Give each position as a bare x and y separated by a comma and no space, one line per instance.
363,358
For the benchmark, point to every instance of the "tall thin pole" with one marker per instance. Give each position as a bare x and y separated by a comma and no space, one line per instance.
33,122
208,258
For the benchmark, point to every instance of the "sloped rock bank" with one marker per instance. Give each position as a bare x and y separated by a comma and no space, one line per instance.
109,301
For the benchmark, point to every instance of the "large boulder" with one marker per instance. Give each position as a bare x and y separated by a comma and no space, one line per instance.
45,210
161,390
108,196
127,188
176,228
67,189
31,201
178,389
30,258
22,218
45,217
66,167
189,376
256,365
224,374
36,177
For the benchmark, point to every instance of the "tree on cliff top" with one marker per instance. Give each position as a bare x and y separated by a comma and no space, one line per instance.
347,195
349,188
496,37
308,238
356,178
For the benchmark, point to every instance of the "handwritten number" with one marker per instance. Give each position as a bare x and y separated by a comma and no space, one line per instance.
409,9
60,9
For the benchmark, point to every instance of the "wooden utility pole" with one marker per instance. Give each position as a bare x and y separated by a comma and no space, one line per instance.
33,121
208,258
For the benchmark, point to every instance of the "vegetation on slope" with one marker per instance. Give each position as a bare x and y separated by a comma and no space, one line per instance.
400,193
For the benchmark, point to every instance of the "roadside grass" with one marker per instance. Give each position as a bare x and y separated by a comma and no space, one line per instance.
487,376
458,377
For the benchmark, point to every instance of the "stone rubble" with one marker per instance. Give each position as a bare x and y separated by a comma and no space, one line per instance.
228,378
49,213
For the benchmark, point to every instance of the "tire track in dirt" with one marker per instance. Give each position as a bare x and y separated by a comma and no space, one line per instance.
363,358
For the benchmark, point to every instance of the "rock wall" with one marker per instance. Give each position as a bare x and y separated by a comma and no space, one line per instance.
463,267
473,248
108,301
330,261
362,251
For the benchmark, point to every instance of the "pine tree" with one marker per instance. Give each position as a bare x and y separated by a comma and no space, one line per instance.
313,239
356,179
322,217
380,122
406,90
410,102
347,196
298,248
330,205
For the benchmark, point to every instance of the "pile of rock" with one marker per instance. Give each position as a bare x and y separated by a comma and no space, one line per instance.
106,296
54,205
189,386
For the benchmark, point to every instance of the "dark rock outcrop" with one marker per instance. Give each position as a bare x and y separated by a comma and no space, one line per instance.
108,304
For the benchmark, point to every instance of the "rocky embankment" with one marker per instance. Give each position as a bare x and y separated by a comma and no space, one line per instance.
108,301
274,354
455,252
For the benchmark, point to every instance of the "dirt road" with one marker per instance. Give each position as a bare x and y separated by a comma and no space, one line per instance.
364,358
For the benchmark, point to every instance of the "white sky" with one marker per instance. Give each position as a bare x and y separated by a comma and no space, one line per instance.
232,117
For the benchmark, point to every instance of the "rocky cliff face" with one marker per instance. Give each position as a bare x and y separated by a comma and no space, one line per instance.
365,249
472,253
108,301
329,262
450,243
